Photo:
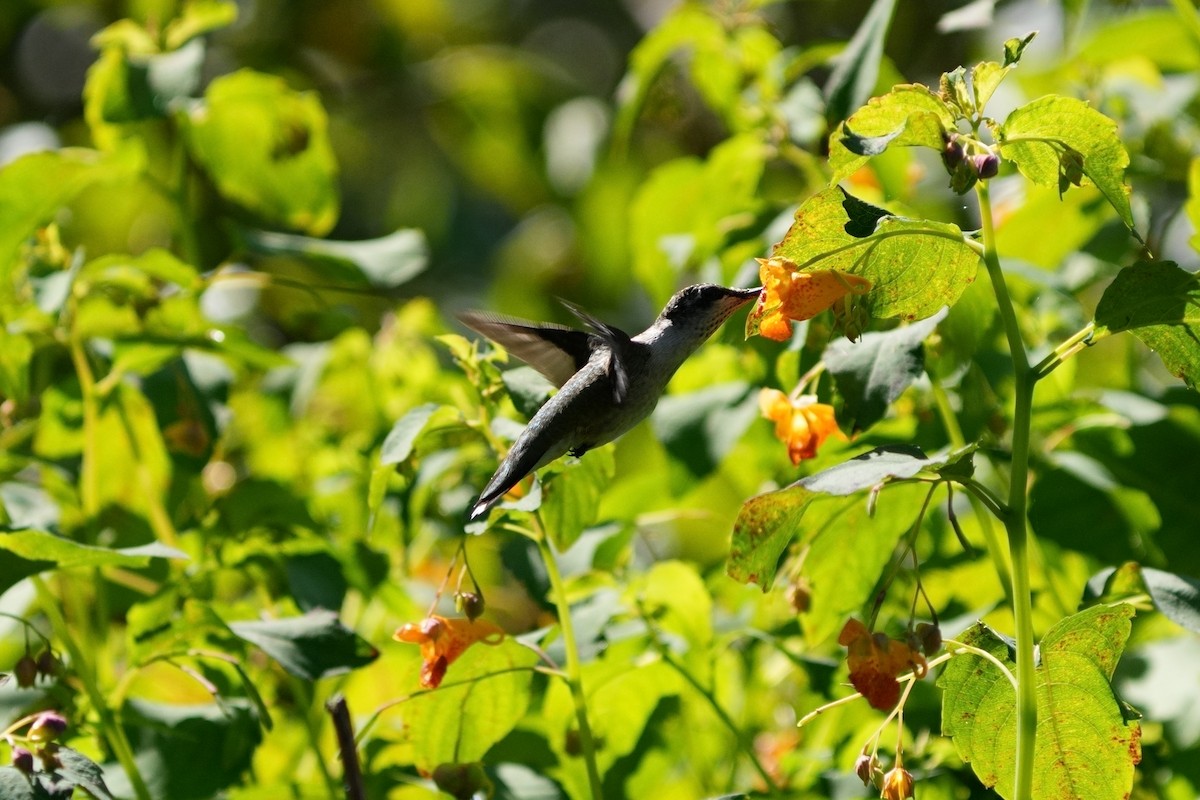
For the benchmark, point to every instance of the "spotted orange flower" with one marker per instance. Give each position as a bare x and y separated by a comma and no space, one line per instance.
789,294
443,640
875,661
802,424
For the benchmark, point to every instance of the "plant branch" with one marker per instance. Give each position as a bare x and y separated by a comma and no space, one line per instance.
1015,522
574,671
746,747
1070,347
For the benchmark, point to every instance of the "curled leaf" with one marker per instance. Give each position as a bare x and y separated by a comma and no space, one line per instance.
875,661
791,295
443,640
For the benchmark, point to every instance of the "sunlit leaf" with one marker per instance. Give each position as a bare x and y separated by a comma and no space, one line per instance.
266,148
489,696
403,436
34,551
1085,746
765,526
1052,136
571,495
1160,304
315,645
197,18
909,115
35,186
915,266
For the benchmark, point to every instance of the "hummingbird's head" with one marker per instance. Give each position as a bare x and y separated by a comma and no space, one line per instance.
705,304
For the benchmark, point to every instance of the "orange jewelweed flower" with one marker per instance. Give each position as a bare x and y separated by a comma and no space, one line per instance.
875,661
443,640
802,424
789,295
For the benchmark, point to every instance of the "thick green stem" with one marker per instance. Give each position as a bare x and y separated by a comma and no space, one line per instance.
574,671
1015,522
110,724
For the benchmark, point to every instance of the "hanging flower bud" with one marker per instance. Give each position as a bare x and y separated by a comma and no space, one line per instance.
25,671
897,784
986,165
22,759
952,152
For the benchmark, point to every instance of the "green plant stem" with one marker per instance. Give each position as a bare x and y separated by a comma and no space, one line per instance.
89,492
1078,341
978,495
1015,522
574,672
773,789
304,690
110,724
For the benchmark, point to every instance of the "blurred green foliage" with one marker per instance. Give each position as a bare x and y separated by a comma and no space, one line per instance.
238,433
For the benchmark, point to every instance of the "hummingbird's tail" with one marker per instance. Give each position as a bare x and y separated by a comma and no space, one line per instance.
519,463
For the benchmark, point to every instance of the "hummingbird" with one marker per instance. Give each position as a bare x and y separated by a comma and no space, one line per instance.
608,380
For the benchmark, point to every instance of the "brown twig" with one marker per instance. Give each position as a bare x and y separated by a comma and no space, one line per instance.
352,777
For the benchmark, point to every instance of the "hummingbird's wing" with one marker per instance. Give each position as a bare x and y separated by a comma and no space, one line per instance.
618,345
556,351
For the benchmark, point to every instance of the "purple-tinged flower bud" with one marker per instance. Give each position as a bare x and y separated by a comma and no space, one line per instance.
48,726
22,759
987,165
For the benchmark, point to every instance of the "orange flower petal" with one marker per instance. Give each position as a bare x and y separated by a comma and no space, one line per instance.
875,661
443,640
802,424
790,295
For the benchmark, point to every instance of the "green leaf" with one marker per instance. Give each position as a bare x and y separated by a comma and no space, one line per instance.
1080,505
387,262
1048,137
915,266
266,148
871,373
849,548
315,645
189,752
857,68
82,771
699,428
1192,206
1013,48
890,462
909,115
1176,596
1085,745
403,436
198,18
571,495
484,696
1160,304
35,186
684,212
38,551
765,526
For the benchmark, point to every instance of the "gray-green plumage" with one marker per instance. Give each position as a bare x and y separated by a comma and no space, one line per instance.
609,381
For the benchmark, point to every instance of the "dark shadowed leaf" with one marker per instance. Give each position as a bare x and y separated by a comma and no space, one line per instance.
857,68
83,772
312,646
1176,596
387,262
699,428
871,373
